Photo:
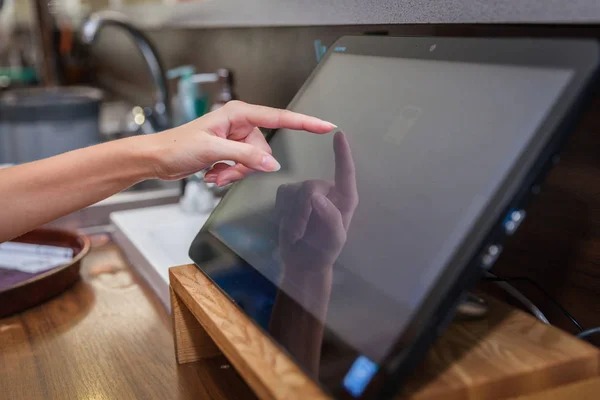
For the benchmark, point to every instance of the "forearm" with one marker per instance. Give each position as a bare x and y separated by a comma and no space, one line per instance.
36,193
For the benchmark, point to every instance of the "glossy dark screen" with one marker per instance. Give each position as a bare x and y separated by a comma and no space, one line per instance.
333,254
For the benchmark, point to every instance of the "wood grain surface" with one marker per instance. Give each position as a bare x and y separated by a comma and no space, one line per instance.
510,353
192,343
107,337
588,389
270,372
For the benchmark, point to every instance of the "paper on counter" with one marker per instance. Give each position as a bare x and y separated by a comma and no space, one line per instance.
32,258
29,248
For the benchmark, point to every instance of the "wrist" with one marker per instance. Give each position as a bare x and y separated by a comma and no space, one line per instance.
145,152
307,276
312,290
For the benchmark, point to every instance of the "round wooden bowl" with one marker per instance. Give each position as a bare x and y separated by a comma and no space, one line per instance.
20,290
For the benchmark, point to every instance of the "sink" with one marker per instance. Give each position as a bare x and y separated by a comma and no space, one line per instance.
153,184
144,194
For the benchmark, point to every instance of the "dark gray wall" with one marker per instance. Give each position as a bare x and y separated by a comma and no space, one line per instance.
270,64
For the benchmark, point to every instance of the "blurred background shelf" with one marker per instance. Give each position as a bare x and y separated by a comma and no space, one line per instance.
154,14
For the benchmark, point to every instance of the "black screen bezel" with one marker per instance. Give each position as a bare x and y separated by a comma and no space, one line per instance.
463,269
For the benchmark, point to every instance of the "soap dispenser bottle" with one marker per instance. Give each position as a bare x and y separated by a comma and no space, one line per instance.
199,80
190,100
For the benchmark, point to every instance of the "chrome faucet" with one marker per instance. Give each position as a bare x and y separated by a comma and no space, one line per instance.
159,117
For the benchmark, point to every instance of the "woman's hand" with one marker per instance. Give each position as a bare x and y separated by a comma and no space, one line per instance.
42,191
230,133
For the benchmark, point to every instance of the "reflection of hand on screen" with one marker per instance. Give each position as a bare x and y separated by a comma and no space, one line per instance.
315,214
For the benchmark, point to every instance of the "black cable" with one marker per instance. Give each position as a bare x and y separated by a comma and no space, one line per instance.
589,332
552,299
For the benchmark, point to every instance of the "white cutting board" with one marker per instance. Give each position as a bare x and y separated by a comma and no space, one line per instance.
155,239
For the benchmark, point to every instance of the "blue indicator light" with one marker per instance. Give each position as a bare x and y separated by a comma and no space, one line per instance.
513,220
320,50
359,375
340,48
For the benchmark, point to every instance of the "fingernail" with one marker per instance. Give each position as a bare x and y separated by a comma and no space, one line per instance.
210,179
332,126
270,164
224,183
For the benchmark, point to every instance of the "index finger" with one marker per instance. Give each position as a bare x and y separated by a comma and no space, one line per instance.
273,118
345,174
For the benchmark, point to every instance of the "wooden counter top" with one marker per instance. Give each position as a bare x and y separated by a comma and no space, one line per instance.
106,338
583,390
110,338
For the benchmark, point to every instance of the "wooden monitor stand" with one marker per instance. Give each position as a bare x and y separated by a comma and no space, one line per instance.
508,354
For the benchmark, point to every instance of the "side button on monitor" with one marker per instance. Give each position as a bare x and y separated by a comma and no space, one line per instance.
513,221
490,256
